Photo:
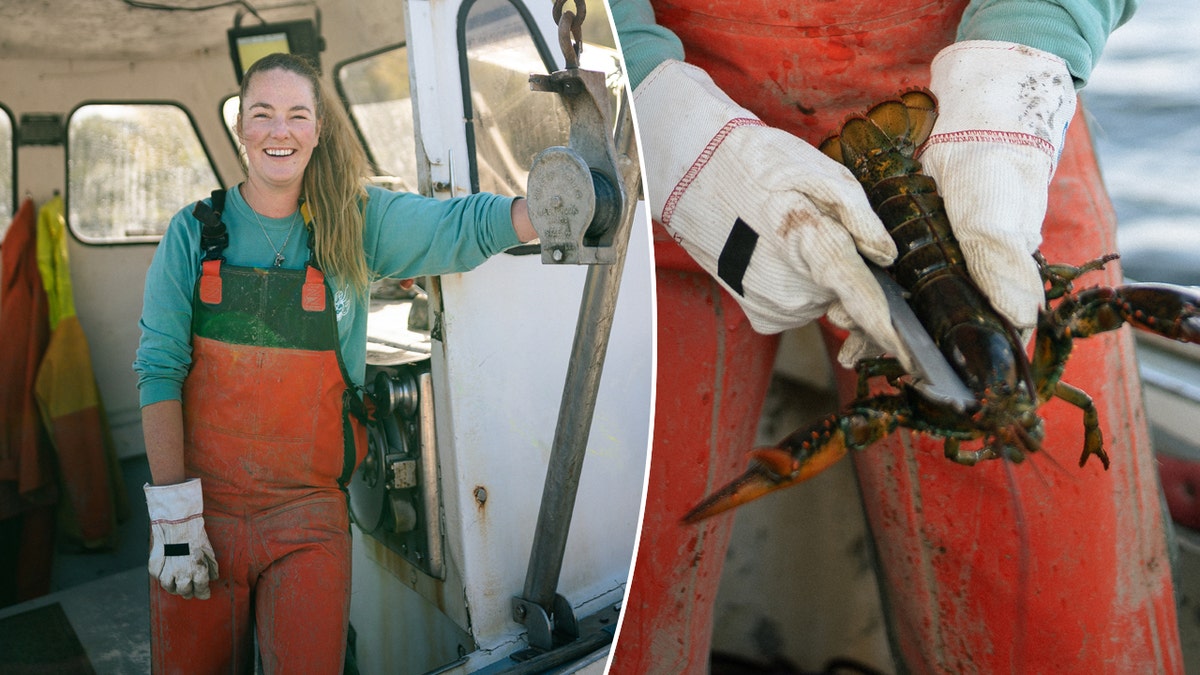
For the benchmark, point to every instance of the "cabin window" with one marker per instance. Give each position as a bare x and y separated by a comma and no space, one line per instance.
375,88
8,191
130,168
229,113
508,125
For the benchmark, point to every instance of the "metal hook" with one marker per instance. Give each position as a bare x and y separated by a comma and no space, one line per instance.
570,30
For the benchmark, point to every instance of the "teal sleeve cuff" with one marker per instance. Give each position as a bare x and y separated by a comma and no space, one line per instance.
644,43
505,237
156,390
1075,30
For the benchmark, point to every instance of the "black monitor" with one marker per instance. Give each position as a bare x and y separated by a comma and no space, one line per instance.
248,44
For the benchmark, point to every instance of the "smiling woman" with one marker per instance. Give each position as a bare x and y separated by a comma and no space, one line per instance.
224,370
443,514
279,135
280,125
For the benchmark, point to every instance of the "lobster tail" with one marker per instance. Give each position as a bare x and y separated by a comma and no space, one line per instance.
922,113
881,143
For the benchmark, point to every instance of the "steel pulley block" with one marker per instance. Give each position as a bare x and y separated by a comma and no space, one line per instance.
575,193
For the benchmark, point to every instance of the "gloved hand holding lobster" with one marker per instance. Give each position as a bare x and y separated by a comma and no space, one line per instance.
1003,111
782,226
778,223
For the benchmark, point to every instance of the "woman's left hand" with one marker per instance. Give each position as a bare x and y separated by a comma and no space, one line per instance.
1003,111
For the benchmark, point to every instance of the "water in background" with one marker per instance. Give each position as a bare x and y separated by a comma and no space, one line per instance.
1144,99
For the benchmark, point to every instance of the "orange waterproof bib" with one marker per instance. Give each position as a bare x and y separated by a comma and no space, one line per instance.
274,430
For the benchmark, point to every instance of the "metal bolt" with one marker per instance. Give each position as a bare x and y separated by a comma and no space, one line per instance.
520,612
481,493
557,255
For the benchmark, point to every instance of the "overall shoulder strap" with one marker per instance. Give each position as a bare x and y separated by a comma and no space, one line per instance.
213,236
309,225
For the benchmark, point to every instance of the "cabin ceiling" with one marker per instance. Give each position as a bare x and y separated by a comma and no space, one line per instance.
88,29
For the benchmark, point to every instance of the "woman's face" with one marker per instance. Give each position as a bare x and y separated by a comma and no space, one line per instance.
278,126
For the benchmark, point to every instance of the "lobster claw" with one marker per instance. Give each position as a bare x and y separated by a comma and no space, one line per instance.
805,453
1171,311
754,483
773,469
1164,309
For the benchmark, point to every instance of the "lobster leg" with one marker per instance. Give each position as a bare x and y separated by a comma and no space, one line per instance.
807,452
1170,311
966,457
1060,277
1093,440
882,366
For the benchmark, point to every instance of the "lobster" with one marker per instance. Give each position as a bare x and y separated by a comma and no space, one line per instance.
983,348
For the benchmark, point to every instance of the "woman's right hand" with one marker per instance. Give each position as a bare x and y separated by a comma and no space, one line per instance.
780,225
181,558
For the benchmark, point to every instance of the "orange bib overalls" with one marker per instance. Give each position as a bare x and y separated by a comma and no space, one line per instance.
274,429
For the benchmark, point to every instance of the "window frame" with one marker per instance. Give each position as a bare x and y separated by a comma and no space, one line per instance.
230,133
132,241
341,92
15,141
539,43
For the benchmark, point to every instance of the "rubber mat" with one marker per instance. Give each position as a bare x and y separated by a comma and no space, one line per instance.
41,641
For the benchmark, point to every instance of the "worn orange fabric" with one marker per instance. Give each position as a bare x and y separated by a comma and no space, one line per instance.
270,431
27,486
25,460
70,406
69,400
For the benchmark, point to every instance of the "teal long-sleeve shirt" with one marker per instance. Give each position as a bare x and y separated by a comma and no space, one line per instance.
405,235
1075,30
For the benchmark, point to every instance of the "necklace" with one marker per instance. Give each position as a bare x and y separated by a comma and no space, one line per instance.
278,251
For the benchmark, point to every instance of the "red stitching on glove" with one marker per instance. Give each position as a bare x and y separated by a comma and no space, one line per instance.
690,176
989,136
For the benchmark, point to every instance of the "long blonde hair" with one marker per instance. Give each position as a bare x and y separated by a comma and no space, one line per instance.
335,179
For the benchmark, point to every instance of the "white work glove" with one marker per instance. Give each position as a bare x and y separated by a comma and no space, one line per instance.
775,221
1003,111
180,556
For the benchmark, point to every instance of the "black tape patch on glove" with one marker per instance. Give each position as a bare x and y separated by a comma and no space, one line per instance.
735,256
176,549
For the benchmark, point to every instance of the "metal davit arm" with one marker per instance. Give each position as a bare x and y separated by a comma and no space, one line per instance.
568,237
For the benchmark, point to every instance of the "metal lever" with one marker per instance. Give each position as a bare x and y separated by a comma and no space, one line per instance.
540,608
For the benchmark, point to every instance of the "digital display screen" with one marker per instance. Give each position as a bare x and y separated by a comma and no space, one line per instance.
248,44
253,47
